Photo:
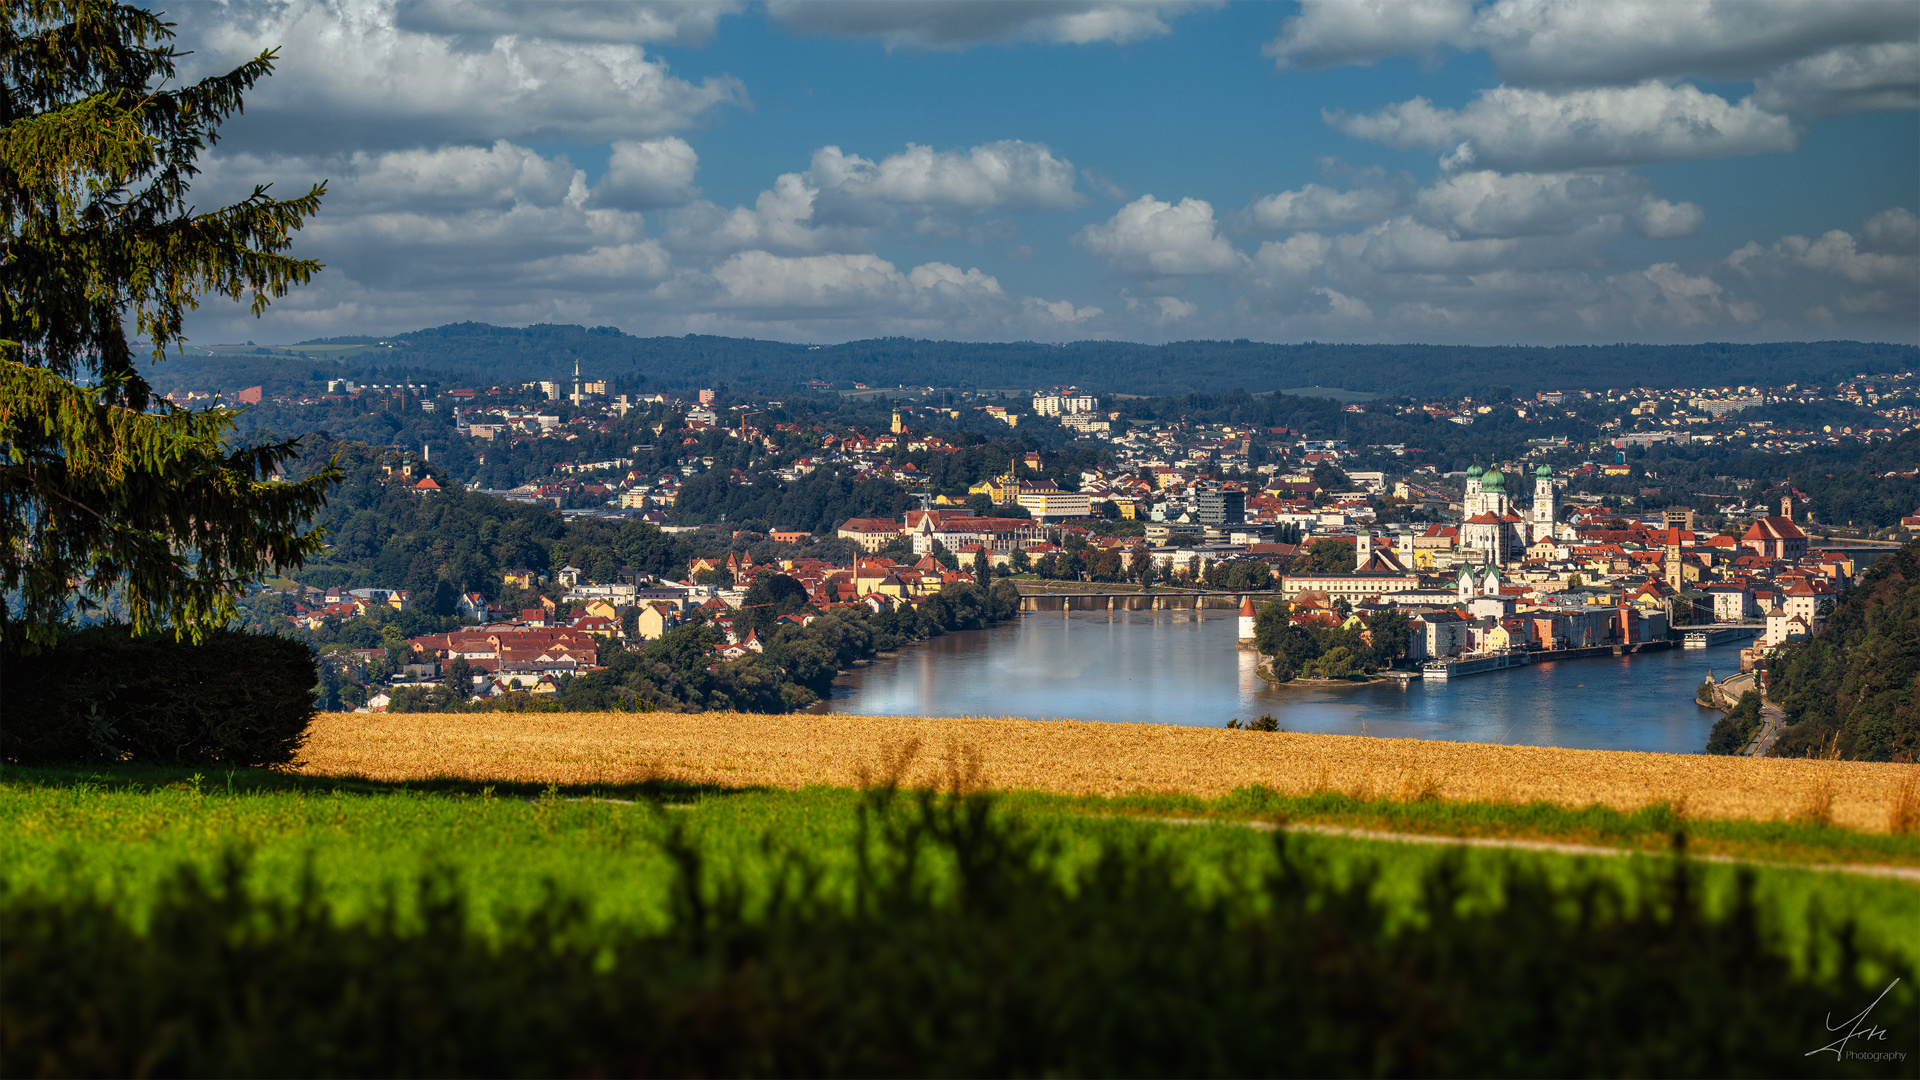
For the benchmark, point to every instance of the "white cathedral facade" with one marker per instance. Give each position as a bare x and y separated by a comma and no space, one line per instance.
1493,532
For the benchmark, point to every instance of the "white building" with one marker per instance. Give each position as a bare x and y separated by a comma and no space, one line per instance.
1060,404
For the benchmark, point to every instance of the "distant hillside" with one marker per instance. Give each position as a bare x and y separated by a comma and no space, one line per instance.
545,351
1856,687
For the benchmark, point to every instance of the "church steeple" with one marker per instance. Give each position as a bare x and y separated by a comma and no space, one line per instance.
1543,510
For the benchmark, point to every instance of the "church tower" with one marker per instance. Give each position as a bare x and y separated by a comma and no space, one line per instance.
1470,504
1676,576
1543,509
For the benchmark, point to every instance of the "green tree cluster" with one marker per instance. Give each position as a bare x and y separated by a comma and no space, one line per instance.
1733,732
1239,575
1854,690
1326,556
105,491
1330,652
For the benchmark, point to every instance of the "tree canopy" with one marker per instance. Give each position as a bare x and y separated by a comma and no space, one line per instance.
1851,690
103,489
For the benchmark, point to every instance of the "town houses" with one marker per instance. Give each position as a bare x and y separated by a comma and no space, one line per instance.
1536,549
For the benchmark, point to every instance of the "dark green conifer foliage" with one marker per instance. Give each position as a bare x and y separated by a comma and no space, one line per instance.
98,145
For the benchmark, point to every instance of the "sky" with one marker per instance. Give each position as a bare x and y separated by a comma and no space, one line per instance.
1439,171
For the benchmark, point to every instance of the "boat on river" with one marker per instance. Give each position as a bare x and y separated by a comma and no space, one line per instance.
1463,666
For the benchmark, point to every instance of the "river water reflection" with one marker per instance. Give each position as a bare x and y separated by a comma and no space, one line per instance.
1182,667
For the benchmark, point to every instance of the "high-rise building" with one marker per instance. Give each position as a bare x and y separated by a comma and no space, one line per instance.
1220,507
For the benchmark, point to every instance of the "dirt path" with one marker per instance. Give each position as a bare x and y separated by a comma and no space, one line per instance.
1897,873
1071,757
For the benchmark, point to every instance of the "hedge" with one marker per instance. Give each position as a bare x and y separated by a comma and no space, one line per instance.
102,695
961,950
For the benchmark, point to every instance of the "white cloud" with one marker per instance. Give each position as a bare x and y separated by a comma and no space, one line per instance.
756,285
761,280
1343,308
359,79
838,203
1527,130
1891,232
1890,258
1404,245
1171,309
1484,203
1286,263
1317,206
1792,288
1600,43
1062,312
1151,237
1882,77
1595,42
602,269
1364,32
1660,219
499,217
648,175
959,24
941,277
1010,175
676,22
448,180
1664,297
781,219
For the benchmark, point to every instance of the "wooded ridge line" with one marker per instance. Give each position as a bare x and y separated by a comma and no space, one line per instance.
488,352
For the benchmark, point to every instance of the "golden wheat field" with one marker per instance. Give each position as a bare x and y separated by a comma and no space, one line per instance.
737,750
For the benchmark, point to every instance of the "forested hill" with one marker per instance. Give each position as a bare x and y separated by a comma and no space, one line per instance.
744,365
1855,688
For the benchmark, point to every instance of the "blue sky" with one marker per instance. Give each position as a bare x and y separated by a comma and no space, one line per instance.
1428,170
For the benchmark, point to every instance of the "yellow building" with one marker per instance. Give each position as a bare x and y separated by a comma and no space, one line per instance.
1003,490
656,619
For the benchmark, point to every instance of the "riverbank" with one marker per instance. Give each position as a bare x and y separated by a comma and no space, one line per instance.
1726,695
1070,757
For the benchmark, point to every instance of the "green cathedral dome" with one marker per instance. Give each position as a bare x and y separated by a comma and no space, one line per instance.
1495,480
1544,470
1474,470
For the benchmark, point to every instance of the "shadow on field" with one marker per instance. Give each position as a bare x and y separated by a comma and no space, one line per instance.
138,777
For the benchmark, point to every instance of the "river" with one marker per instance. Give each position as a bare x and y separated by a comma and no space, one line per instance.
1182,667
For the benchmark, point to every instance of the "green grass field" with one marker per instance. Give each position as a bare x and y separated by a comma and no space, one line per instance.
388,868
117,835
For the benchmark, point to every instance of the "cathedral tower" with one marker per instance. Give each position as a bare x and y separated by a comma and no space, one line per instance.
1543,509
